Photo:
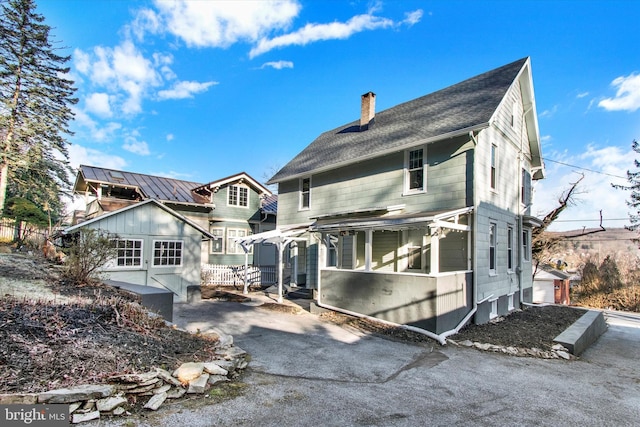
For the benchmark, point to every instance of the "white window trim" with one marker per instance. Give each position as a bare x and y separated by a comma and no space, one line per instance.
113,264
526,245
511,301
510,248
493,244
407,180
300,193
222,237
153,253
247,232
493,313
494,161
238,186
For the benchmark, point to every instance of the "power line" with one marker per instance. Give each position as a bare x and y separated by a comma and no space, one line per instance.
586,169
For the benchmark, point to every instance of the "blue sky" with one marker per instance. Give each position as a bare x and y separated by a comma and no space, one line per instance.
200,90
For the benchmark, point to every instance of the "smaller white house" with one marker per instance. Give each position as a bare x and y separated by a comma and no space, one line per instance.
156,247
551,286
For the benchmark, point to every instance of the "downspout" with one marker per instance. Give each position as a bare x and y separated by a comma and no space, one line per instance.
520,225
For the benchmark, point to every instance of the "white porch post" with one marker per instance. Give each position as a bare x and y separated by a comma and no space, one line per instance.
435,250
294,255
280,269
368,249
246,268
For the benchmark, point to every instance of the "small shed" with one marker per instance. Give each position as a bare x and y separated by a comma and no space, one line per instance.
551,286
156,247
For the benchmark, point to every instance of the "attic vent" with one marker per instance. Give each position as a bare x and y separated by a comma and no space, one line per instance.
367,110
117,176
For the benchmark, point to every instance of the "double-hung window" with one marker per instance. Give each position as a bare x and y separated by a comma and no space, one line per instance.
494,166
492,247
305,193
129,252
238,196
414,166
217,244
167,253
526,245
510,248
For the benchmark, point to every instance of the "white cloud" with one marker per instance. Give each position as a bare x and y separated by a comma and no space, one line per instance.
124,72
133,145
79,155
170,137
218,23
414,17
82,61
627,95
98,103
278,65
317,32
97,133
549,113
582,95
182,90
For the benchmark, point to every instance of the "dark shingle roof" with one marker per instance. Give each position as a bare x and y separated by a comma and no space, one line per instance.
153,187
460,107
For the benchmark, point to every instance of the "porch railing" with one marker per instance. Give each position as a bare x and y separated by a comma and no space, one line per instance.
216,274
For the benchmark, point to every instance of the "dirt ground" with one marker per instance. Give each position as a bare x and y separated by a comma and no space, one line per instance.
54,335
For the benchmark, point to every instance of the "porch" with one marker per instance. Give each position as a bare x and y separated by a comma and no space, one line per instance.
436,303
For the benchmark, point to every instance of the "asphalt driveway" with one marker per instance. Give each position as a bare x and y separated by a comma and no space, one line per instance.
307,372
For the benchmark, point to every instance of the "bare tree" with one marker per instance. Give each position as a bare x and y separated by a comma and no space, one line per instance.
543,242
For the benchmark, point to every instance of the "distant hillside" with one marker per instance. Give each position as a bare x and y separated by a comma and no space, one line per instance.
617,243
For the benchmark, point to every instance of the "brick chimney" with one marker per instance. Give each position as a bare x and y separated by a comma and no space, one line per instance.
367,110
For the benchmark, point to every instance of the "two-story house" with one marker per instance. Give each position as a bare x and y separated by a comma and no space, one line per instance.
192,223
419,214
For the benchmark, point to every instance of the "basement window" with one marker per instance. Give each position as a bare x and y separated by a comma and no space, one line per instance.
494,309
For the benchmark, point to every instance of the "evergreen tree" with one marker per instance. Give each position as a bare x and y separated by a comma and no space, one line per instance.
35,108
634,186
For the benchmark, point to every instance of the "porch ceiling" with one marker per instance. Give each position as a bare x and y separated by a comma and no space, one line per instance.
392,222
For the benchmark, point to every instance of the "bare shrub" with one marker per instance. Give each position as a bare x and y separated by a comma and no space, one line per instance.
87,251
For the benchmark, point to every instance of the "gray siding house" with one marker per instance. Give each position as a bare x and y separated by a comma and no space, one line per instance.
420,214
156,247
228,208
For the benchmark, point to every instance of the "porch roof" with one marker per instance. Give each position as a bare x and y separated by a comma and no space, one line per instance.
279,235
394,222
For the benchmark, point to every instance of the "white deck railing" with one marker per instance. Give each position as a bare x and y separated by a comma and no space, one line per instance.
216,274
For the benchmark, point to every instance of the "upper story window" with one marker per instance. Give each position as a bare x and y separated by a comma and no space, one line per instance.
510,248
526,245
415,176
525,189
514,111
494,166
305,193
238,196
492,248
